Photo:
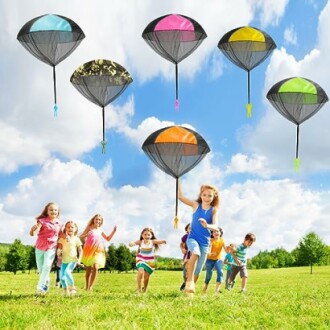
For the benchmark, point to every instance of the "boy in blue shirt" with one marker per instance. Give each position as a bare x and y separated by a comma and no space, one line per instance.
240,260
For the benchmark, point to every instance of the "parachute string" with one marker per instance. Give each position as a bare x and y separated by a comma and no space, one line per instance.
249,105
296,161
176,219
104,142
176,87
55,97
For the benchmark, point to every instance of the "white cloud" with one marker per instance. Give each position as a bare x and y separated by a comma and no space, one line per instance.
290,35
255,164
279,212
217,66
270,12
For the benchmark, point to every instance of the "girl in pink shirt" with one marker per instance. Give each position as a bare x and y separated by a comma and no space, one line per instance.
48,228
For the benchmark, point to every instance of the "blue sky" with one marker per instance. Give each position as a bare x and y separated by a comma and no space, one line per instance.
44,159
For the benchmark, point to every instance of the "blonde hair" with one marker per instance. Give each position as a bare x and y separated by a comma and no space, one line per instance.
216,199
91,221
75,233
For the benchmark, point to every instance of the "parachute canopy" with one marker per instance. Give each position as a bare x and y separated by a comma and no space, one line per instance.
174,37
297,99
101,82
51,38
175,150
247,47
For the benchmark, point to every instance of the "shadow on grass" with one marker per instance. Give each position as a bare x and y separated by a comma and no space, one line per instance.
9,296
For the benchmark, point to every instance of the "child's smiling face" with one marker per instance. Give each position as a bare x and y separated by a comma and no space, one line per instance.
207,196
216,233
147,235
52,211
98,221
70,229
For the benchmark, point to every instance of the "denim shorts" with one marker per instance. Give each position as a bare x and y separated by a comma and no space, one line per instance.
200,251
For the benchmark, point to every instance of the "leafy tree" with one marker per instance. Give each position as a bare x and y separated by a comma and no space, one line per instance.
124,258
311,249
326,259
4,249
264,259
17,258
3,260
32,263
165,263
111,261
133,260
283,257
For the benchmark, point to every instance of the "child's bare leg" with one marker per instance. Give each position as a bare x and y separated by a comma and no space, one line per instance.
196,276
243,284
87,277
146,281
139,279
94,272
191,265
217,286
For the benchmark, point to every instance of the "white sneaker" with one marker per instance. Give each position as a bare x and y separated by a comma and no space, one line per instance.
73,291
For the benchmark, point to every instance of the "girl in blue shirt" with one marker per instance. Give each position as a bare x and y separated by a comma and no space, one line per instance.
204,219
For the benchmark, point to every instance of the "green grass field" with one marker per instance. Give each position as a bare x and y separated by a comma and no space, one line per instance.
288,298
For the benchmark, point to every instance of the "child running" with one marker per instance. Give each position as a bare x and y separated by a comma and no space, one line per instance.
229,259
213,259
94,251
145,257
70,250
240,260
48,229
186,255
205,218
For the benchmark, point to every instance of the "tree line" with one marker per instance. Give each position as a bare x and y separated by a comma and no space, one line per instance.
310,251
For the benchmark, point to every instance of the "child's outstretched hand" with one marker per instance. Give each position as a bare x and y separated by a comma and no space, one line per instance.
35,229
203,222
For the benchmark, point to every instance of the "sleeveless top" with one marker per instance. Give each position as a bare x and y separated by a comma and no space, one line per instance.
146,257
93,250
48,234
198,232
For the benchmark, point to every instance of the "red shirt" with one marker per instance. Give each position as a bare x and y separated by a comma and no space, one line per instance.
48,234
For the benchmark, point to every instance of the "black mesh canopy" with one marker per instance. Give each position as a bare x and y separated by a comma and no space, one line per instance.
175,150
247,47
297,99
51,39
101,82
174,37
